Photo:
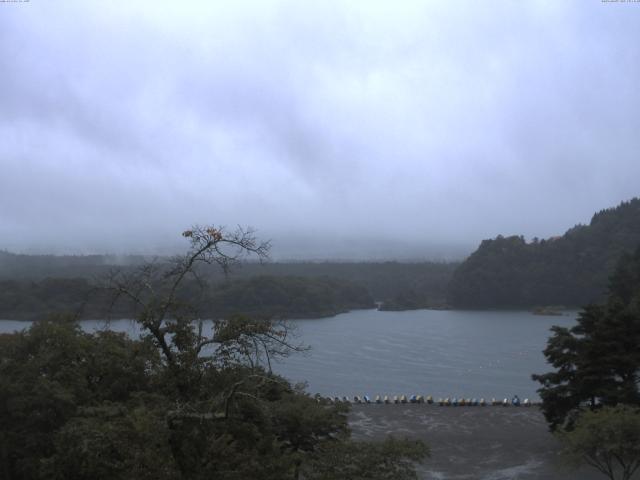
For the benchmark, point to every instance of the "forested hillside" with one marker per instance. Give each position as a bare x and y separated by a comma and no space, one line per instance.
288,296
571,270
264,296
31,285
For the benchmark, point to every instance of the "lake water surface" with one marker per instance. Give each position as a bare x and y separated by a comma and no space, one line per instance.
441,353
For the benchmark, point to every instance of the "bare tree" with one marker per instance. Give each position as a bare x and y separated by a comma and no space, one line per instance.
158,293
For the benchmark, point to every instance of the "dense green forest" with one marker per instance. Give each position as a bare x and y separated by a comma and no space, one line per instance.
287,296
570,270
596,361
270,296
181,401
591,398
31,286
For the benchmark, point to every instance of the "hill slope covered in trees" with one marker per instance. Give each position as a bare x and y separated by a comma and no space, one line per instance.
264,296
32,285
571,270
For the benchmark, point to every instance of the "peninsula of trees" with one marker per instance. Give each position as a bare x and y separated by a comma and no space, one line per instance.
36,285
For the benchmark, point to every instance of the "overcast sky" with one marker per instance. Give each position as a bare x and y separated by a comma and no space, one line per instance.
365,129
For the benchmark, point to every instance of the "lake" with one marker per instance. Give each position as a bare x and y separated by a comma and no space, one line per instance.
450,353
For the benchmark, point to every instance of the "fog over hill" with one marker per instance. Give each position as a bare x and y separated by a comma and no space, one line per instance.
368,130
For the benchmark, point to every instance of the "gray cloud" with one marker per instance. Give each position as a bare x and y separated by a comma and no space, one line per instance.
335,128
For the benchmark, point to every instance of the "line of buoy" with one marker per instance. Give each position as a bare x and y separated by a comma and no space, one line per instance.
443,402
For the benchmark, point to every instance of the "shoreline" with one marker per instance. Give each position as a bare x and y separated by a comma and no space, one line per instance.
476,443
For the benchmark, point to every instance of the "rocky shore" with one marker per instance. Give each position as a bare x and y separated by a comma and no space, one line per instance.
472,443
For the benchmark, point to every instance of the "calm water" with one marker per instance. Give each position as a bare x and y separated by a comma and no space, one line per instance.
439,353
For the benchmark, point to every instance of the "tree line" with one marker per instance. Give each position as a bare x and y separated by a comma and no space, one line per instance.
282,297
181,402
571,270
31,286
591,399
506,272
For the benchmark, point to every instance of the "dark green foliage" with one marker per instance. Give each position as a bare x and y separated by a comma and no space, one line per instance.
597,361
25,299
101,406
178,403
413,300
388,460
571,270
288,297
283,297
34,286
607,439
51,373
38,267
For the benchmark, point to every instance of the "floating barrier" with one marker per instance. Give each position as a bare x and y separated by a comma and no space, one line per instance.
415,399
